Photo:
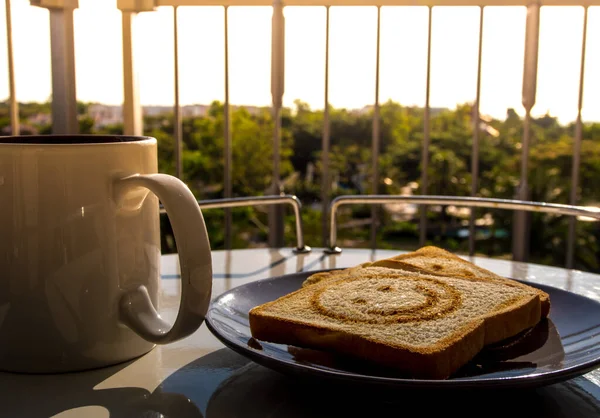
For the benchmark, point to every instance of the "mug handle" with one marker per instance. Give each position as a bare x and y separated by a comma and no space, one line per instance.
135,307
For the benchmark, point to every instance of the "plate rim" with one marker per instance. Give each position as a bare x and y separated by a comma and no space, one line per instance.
273,363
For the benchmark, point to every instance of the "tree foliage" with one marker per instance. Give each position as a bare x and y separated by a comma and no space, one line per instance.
449,172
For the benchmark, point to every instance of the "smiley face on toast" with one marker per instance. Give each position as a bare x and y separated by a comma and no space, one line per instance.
386,300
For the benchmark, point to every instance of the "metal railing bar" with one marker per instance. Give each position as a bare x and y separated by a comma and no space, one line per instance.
228,151
472,202
236,202
574,197
426,133
475,149
532,32
376,134
15,126
177,123
428,3
325,180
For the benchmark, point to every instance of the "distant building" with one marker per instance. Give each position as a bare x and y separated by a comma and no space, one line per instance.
40,119
194,111
104,115
369,108
23,129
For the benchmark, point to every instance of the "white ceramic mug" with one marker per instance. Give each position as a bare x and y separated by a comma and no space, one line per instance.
80,252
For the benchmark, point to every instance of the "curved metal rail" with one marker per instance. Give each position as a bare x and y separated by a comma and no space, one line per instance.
478,202
235,202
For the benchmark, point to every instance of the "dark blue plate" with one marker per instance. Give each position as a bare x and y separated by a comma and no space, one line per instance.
565,345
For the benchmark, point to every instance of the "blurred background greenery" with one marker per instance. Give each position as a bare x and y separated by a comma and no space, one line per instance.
350,170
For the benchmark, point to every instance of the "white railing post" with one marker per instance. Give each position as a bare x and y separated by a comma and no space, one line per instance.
62,48
14,105
376,136
521,220
177,122
574,195
426,133
277,87
227,149
132,109
475,147
326,140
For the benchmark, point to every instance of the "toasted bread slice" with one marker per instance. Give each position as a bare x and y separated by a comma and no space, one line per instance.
424,325
439,262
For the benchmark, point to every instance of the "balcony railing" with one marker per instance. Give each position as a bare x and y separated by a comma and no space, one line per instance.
64,98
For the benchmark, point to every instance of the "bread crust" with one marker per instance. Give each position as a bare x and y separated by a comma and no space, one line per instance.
431,363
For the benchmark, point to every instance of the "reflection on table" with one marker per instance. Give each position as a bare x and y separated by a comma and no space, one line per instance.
197,377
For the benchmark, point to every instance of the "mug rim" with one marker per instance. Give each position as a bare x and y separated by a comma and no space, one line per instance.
90,140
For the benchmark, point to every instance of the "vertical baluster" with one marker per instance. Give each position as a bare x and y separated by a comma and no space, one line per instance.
426,121
132,109
62,51
577,148
277,87
14,106
475,151
227,134
177,124
325,181
521,219
376,139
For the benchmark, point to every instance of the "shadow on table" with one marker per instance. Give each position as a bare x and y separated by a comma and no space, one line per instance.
254,391
26,395
224,384
248,390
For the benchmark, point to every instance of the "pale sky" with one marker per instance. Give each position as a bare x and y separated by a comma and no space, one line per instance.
352,56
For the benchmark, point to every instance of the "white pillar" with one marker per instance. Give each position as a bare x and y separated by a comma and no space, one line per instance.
132,109
64,95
